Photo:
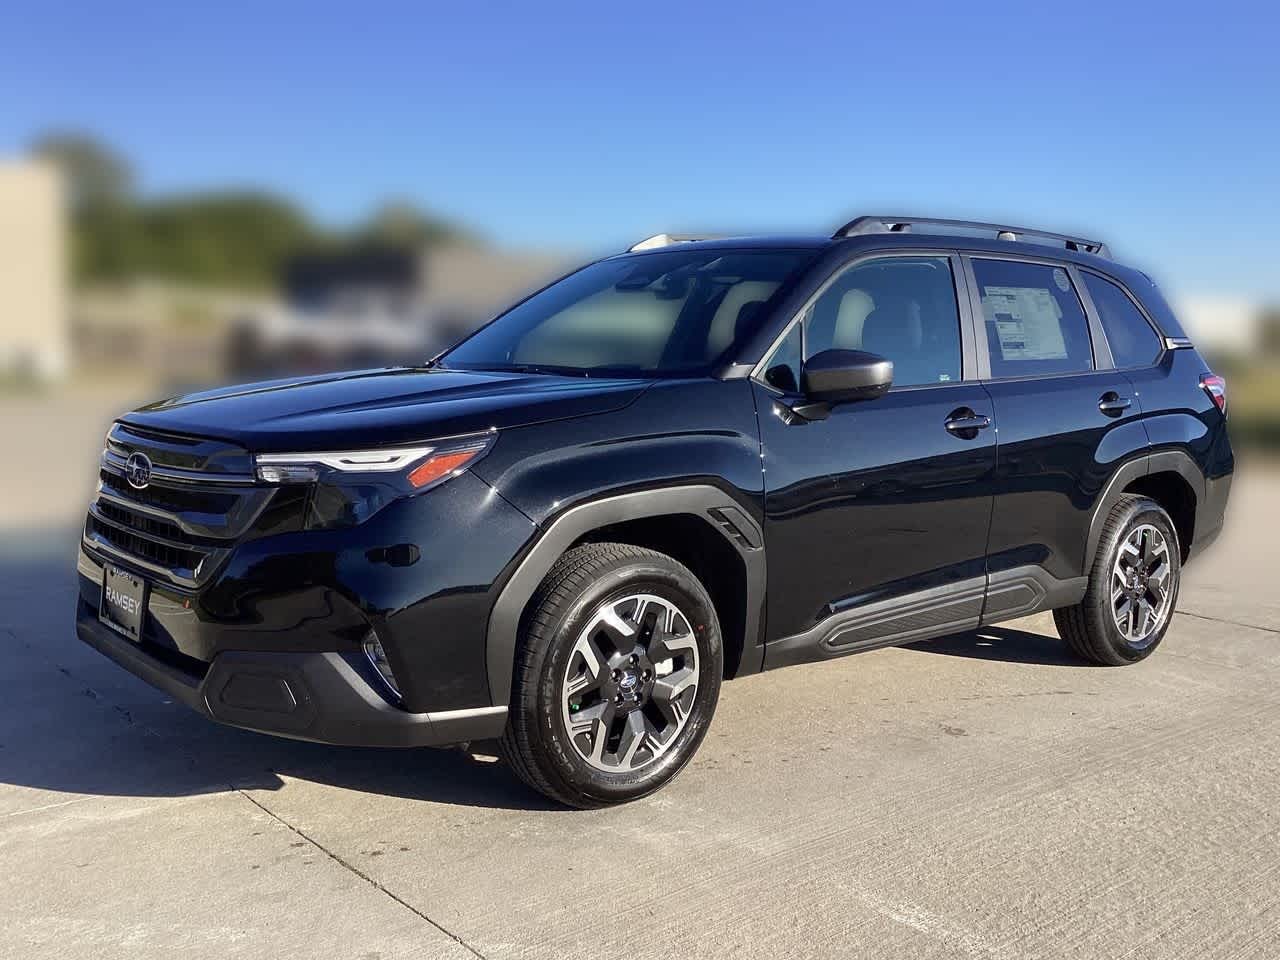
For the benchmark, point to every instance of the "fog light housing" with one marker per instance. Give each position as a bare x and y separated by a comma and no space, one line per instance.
378,659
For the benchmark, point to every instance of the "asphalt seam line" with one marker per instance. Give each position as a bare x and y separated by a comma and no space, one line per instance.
361,874
1233,623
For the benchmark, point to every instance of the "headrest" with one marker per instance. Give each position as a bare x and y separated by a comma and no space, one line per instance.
724,328
894,326
854,306
851,314
748,314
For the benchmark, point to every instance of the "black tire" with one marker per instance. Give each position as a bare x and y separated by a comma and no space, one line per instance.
537,744
1089,628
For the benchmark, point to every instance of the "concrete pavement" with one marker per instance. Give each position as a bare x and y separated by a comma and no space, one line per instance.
981,796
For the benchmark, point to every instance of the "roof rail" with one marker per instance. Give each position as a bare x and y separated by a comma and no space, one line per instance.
665,240
864,225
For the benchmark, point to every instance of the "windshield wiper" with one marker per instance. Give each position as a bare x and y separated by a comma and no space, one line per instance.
622,370
544,369
554,370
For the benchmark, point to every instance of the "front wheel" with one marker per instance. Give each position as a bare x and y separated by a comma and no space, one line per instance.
1133,587
617,676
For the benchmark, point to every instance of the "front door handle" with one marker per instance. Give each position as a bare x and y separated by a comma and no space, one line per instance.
966,424
1113,403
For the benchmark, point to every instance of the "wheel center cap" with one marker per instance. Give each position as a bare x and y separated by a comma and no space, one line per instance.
628,682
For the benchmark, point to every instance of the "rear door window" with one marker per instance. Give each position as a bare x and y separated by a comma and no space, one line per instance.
1034,320
1133,343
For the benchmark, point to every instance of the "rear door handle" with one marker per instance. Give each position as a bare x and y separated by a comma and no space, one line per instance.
970,423
1112,402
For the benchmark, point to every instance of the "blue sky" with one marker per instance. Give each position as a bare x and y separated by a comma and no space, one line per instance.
586,126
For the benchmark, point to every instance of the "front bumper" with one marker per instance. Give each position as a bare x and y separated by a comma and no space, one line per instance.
420,575
306,696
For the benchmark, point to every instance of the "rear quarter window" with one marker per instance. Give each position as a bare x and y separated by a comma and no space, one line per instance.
1133,343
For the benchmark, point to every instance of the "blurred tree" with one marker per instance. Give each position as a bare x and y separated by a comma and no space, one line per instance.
1269,331
234,239
96,176
239,239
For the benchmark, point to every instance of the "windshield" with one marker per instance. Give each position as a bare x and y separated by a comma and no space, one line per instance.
675,312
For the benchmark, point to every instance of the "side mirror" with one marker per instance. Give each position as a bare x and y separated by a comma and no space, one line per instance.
842,376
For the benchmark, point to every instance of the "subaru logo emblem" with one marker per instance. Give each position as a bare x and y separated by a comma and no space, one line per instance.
137,470
628,681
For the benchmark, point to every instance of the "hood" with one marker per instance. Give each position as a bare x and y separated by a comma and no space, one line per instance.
370,408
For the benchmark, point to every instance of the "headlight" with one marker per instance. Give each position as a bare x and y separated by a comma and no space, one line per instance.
352,485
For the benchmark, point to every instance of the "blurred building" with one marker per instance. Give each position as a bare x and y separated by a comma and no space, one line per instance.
338,310
34,330
477,281
1222,324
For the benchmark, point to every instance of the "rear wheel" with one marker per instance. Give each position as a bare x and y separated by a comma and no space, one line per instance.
617,676
1133,587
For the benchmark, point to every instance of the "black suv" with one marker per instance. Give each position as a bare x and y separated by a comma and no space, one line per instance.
696,460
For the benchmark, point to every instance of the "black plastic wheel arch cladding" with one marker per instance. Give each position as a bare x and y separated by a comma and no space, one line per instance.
720,510
1173,461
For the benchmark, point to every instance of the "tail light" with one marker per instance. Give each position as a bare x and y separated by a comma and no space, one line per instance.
1216,388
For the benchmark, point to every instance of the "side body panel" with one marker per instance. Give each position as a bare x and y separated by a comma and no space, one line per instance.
1057,453
677,431
875,502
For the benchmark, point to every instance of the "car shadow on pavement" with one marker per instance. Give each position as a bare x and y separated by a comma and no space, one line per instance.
1004,644
71,721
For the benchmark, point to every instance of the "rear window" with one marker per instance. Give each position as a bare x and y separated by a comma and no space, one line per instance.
1133,342
1035,322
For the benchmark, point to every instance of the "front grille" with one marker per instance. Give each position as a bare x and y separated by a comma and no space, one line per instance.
186,521
170,498
140,522
182,562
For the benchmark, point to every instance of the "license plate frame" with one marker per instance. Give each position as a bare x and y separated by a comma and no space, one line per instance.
122,604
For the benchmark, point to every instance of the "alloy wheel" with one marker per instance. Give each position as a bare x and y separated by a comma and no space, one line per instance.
1142,582
630,683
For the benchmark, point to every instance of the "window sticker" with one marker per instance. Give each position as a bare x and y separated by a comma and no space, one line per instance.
1028,322
1060,278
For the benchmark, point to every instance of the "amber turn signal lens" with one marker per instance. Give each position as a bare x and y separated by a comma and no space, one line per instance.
433,468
